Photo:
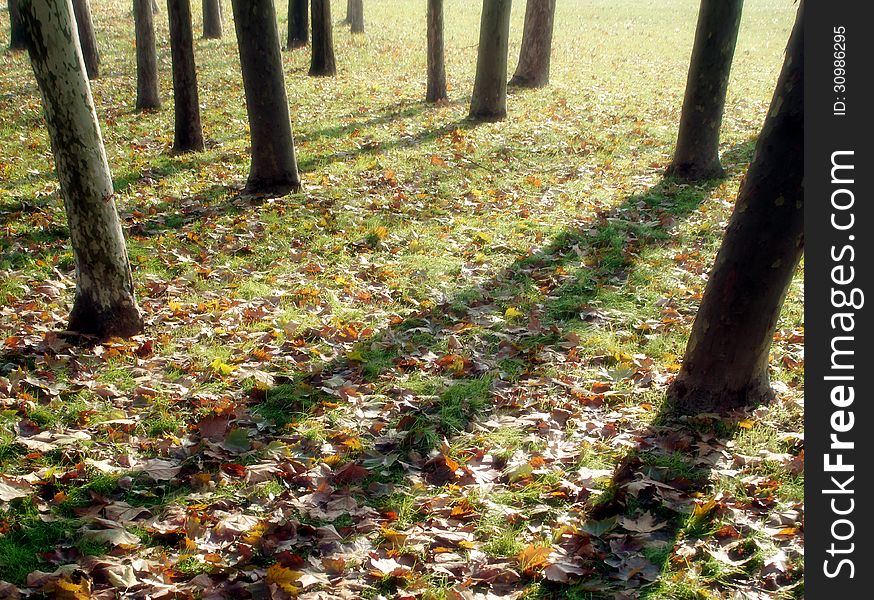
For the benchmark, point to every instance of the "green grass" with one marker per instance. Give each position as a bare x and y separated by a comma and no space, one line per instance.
416,233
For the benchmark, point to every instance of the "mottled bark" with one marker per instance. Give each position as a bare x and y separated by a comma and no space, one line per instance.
534,57
322,63
188,135
436,63
697,154
726,360
87,38
356,18
104,304
212,19
273,168
298,24
148,96
489,101
17,32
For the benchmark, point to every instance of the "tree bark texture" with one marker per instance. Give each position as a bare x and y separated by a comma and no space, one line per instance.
532,71
87,38
148,96
17,32
104,304
274,165
322,63
356,19
489,101
697,154
188,135
726,360
212,19
298,24
436,90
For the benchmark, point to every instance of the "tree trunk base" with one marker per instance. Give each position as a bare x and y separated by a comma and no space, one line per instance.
527,82
295,45
123,320
695,171
260,188
488,117
687,397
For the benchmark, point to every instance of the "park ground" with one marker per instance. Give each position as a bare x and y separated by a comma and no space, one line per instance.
438,373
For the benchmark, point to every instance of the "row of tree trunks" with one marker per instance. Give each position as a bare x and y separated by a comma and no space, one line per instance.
322,62
87,37
104,303
436,91
489,101
726,361
298,24
532,71
356,18
273,168
697,153
148,96
188,136
212,19
17,31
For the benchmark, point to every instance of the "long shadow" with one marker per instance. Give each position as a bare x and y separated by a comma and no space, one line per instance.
434,341
478,371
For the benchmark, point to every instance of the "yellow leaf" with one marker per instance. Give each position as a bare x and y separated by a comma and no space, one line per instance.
746,424
284,578
513,313
220,366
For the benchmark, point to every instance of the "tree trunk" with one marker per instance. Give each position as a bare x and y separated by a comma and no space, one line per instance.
104,304
348,18
726,360
436,91
188,135
273,169
155,7
357,17
298,24
17,32
322,63
87,39
697,155
489,101
212,19
533,68
148,96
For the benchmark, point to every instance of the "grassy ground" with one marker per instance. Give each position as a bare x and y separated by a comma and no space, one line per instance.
437,372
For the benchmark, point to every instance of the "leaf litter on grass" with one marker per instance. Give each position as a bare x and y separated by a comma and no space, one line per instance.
439,374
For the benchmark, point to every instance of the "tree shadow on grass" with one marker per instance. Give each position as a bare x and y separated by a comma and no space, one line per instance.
446,370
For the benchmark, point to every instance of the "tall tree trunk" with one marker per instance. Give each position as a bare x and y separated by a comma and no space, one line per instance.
17,32
726,360
489,101
87,39
298,24
148,96
104,304
212,19
274,166
436,63
533,68
322,63
697,155
188,135
357,17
